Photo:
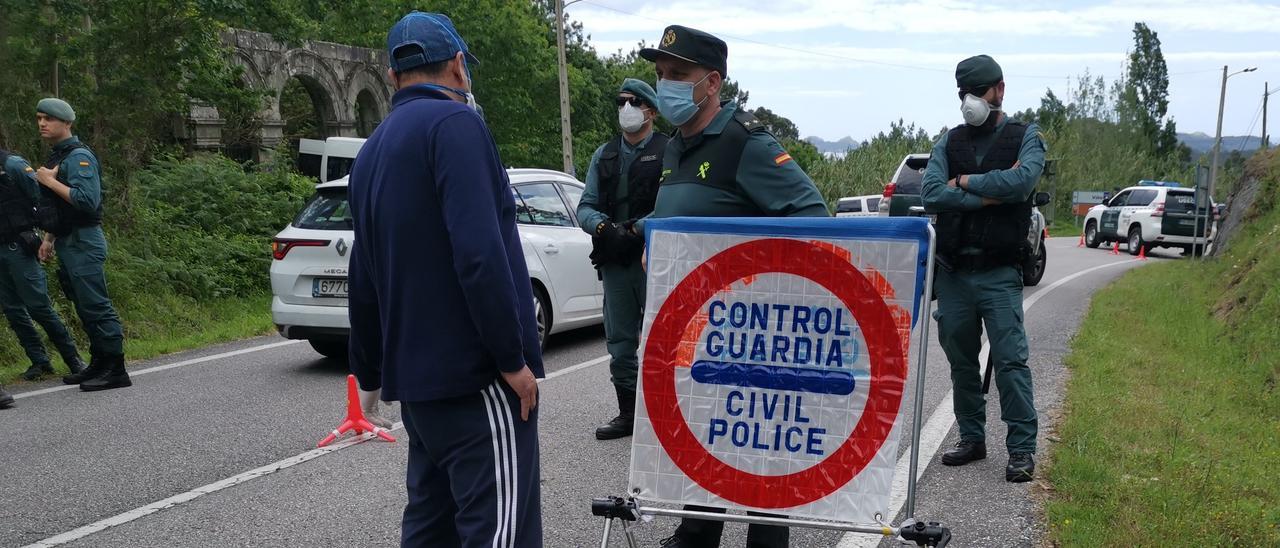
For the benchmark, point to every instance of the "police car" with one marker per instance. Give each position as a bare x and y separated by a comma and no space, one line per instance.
309,266
1152,214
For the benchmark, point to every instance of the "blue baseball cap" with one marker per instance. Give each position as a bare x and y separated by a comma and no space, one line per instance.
433,33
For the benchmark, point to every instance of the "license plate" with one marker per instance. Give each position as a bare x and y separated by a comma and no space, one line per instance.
329,287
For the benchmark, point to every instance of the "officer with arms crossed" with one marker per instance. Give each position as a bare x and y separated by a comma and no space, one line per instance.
980,181
70,212
622,184
23,289
441,304
721,163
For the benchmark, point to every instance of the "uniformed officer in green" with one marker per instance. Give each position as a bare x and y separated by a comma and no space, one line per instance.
980,181
721,162
23,289
622,183
70,212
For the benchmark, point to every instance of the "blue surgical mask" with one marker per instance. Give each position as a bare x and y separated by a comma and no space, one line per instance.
675,100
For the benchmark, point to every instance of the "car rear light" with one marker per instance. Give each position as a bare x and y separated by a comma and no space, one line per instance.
281,246
1159,212
888,190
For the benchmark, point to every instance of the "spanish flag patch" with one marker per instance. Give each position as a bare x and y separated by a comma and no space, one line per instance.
782,159
84,163
29,170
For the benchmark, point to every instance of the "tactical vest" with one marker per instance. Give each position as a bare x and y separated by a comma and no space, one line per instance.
53,213
17,213
642,190
998,231
642,177
713,160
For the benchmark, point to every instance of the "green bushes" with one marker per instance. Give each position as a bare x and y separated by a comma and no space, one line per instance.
189,254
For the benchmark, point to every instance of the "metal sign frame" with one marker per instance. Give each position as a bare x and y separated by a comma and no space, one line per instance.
628,509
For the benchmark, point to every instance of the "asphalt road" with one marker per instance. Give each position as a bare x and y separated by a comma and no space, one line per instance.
215,447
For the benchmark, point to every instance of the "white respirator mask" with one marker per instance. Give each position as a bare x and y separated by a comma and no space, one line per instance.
976,110
630,118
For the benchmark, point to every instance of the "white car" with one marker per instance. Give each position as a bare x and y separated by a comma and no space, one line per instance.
1152,214
309,270
858,206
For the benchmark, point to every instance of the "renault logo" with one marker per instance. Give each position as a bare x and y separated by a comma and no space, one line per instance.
342,247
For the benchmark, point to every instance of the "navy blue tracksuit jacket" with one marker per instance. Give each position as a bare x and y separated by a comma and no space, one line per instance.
440,304
440,297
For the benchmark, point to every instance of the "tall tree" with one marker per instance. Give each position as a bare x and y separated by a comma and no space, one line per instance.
1145,99
779,125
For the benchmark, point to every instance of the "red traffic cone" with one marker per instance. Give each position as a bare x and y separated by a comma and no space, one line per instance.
1142,253
1115,248
1081,244
355,421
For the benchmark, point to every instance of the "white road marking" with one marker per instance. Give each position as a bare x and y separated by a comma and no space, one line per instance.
263,471
939,424
167,366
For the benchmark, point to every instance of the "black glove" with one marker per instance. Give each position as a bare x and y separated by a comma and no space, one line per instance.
633,238
610,233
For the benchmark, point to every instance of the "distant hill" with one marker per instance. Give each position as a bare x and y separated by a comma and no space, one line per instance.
1201,143
833,147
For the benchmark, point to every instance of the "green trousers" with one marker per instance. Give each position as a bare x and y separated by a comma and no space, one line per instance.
24,297
967,301
82,255
623,312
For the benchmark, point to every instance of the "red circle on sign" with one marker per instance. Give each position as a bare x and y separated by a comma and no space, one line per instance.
888,372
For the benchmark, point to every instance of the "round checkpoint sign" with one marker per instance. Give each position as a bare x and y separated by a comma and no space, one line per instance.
888,369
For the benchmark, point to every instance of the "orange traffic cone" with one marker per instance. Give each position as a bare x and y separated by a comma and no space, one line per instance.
355,421
1115,248
1142,253
1081,244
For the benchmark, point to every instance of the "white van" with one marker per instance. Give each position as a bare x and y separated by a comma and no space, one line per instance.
334,156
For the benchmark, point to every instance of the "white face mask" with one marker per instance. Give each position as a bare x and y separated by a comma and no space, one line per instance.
976,110
630,118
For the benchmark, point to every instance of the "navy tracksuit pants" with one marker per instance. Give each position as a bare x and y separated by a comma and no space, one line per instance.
473,473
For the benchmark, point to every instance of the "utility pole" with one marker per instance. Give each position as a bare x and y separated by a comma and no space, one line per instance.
1217,140
566,132
1266,92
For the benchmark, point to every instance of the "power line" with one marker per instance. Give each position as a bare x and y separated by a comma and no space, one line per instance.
1249,134
811,52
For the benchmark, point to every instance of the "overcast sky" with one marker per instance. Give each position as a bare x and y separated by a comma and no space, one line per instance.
850,67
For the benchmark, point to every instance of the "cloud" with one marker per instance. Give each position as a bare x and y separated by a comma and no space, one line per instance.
934,17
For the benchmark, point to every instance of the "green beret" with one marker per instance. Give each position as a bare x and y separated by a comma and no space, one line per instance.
641,90
978,71
56,108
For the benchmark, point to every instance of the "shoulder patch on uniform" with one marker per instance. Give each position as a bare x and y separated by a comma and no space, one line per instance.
781,159
84,163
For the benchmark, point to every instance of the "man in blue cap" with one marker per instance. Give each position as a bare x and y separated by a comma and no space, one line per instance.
980,181
441,304
70,212
622,184
23,289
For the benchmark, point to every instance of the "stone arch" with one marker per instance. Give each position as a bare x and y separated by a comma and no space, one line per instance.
320,80
369,97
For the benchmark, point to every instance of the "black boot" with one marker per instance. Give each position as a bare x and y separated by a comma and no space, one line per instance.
74,364
1022,467
37,370
621,425
94,369
6,400
112,375
965,452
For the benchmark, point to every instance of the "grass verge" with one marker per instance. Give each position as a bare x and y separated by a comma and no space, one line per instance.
171,324
1171,434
